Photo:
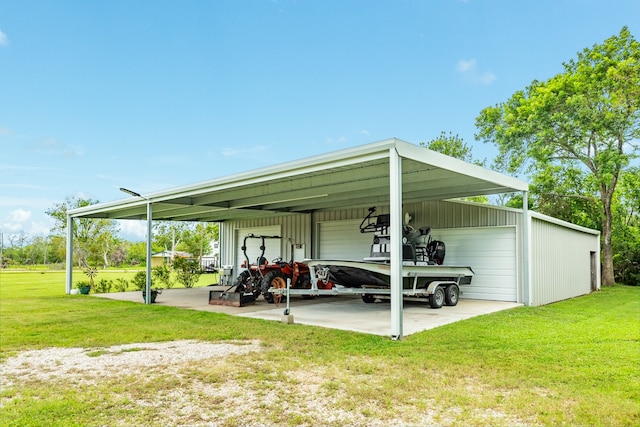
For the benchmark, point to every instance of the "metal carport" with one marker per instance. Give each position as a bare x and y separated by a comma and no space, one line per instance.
390,171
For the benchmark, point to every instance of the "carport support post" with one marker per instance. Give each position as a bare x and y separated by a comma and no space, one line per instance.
69,254
147,298
395,205
526,250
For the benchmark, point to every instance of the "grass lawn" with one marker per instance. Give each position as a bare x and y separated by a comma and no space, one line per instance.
575,362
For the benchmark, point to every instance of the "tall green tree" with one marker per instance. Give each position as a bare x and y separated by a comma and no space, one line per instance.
626,230
93,238
197,240
454,146
169,234
586,118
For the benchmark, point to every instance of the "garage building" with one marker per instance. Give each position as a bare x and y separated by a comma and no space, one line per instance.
316,205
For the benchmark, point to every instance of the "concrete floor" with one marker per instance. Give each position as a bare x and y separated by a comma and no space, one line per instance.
346,312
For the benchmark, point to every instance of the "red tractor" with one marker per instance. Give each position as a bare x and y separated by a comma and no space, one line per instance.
263,275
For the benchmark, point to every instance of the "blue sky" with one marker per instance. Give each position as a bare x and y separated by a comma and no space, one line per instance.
98,95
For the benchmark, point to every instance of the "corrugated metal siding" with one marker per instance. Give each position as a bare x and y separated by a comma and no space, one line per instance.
437,214
343,240
442,214
560,262
295,229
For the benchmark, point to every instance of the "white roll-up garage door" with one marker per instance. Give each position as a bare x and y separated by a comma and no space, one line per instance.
491,253
273,247
343,240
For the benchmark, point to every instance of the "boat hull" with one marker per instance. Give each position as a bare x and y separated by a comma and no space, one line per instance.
366,274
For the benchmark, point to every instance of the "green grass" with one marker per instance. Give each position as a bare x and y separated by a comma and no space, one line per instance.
575,362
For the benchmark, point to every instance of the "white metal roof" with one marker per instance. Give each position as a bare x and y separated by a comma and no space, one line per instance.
354,177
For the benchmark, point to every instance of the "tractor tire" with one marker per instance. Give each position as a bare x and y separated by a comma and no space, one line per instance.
437,298
273,279
451,294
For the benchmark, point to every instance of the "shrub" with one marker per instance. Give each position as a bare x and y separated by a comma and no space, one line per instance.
103,286
162,273
121,284
140,280
187,270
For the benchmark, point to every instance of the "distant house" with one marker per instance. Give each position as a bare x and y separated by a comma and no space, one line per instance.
208,262
165,257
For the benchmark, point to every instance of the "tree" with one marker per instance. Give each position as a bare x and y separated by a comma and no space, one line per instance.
197,241
568,194
93,238
586,118
194,238
169,234
626,230
454,146
136,253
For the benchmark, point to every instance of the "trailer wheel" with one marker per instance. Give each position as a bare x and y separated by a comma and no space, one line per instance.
273,279
368,298
437,298
451,294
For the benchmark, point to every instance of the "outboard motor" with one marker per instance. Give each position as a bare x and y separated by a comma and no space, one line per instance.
436,250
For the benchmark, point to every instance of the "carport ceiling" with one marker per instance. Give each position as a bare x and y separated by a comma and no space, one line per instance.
355,177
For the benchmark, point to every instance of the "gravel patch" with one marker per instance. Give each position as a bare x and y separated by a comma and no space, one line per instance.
86,365
307,396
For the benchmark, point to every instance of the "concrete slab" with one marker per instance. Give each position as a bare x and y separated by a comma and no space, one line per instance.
338,312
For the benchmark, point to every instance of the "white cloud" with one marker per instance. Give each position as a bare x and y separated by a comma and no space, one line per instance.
133,230
469,70
364,132
19,215
53,146
466,66
4,40
16,221
232,152
337,140
40,228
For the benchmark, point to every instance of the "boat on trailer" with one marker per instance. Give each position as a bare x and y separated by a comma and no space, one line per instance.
440,284
424,276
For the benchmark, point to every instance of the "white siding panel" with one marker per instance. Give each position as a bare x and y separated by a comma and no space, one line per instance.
561,262
491,253
343,240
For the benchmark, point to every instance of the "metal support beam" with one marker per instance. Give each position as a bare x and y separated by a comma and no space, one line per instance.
149,239
147,288
69,254
526,250
395,231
